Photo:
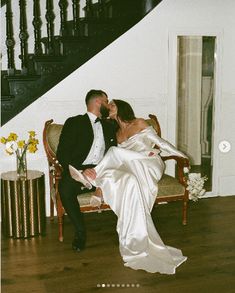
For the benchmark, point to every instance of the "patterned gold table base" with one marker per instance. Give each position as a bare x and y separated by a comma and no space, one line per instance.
23,204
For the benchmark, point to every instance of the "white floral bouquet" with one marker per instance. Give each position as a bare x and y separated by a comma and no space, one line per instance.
195,184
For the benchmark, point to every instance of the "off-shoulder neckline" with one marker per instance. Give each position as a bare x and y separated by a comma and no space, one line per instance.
141,131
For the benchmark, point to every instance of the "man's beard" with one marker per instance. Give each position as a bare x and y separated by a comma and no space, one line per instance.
104,112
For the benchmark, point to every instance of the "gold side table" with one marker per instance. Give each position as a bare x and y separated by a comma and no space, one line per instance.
23,204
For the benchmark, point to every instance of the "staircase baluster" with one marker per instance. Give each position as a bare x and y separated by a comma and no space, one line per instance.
89,8
23,37
37,23
76,15
50,17
63,4
10,42
101,8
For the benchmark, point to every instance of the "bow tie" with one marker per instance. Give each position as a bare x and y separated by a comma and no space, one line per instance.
97,120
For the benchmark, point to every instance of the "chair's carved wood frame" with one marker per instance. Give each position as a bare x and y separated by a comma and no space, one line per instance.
55,171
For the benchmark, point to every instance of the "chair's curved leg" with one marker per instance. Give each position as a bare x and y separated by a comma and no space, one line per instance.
51,210
185,206
60,212
60,226
184,212
51,200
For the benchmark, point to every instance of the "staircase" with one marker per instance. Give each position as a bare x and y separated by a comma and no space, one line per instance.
56,56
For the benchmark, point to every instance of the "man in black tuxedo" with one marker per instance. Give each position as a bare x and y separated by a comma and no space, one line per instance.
83,142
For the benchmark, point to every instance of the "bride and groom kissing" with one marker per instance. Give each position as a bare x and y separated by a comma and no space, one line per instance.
117,157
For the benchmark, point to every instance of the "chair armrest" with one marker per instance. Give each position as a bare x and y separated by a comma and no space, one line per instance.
181,164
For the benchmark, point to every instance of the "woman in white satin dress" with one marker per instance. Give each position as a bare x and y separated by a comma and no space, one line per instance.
128,176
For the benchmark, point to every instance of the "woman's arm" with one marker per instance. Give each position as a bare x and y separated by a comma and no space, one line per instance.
163,144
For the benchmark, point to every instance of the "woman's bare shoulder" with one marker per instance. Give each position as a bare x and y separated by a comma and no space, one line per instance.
141,123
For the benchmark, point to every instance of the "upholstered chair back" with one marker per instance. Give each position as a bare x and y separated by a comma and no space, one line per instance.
53,136
53,132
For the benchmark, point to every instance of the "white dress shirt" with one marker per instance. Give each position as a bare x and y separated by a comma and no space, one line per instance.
98,146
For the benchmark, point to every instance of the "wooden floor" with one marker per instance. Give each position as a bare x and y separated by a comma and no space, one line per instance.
43,264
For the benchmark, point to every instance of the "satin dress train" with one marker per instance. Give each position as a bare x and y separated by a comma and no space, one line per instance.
129,177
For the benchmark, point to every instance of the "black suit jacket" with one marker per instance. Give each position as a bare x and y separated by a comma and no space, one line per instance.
76,140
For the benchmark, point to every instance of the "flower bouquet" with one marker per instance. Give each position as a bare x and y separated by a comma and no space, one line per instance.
20,147
195,184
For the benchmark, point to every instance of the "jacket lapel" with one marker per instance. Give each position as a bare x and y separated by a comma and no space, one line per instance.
108,138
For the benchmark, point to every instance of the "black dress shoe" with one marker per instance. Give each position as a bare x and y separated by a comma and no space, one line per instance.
78,244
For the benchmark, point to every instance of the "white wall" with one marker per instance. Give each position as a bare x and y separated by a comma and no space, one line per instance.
135,68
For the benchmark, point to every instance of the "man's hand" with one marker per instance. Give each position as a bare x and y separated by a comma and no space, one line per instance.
90,173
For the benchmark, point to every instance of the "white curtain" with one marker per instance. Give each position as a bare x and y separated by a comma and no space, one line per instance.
189,96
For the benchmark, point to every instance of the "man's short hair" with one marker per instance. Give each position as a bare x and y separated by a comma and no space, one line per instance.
94,94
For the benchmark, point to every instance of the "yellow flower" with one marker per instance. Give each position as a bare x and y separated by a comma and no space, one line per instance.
31,133
12,137
3,140
21,144
33,141
32,148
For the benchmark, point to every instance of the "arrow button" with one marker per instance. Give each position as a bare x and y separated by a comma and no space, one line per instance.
224,146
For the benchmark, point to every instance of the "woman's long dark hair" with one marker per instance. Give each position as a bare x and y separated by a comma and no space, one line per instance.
124,111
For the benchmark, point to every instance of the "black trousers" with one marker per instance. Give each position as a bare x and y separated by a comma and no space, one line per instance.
69,189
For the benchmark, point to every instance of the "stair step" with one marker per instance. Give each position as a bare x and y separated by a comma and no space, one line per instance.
20,85
4,84
46,58
7,107
44,64
21,77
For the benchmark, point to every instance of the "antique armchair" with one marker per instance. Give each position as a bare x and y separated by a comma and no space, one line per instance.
170,188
